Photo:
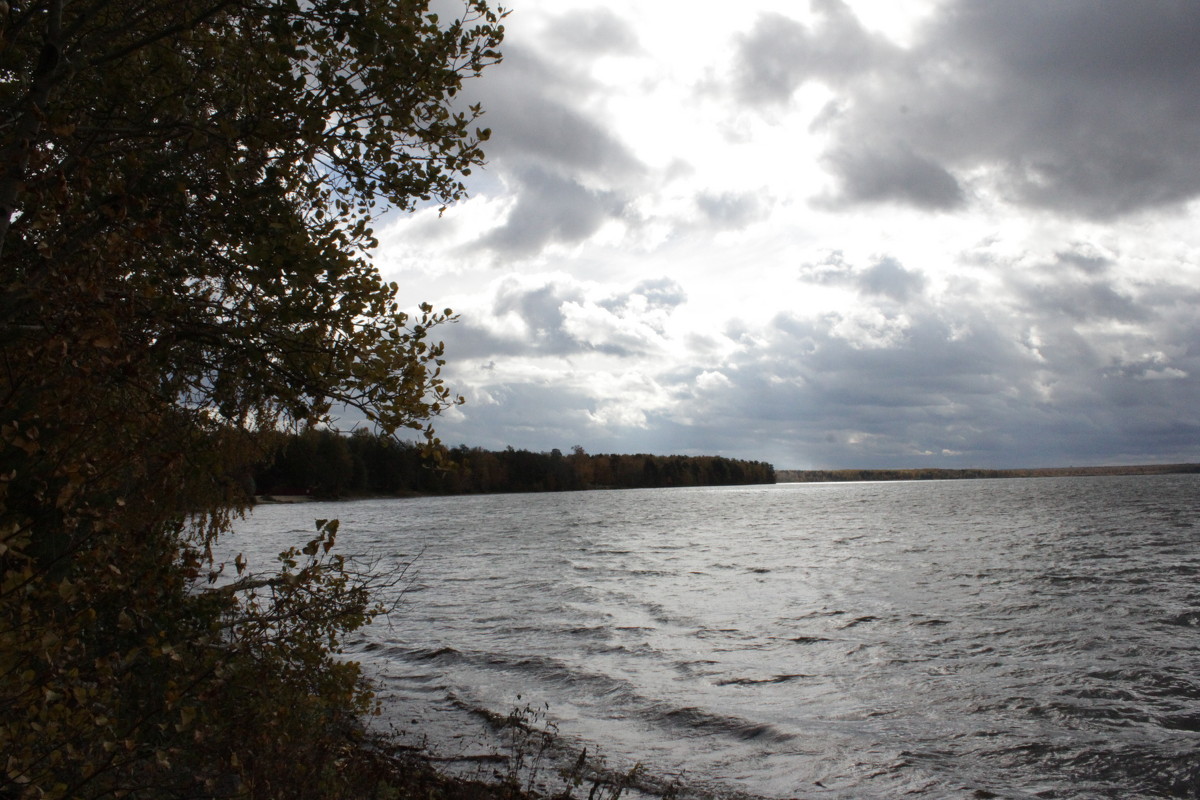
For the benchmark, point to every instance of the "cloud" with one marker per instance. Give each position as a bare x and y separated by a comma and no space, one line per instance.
710,380
892,280
1090,263
533,120
565,173
538,308
592,31
1078,107
1012,373
1076,287
938,222
665,293
955,389
729,210
561,317
606,332
1082,300
605,410
885,278
1148,367
650,302
521,414
832,269
779,53
892,174
550,209
974,377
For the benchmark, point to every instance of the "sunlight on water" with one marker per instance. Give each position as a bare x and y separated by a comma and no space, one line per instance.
1014,638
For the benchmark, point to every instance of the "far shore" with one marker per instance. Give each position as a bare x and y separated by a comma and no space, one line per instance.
822,476
284,499
293,499
934,474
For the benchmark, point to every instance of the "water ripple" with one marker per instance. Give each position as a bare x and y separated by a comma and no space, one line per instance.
1000,638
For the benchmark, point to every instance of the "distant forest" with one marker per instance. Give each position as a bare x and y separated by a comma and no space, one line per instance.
834,475
324,463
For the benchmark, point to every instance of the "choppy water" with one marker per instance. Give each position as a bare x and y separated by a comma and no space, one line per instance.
1010,638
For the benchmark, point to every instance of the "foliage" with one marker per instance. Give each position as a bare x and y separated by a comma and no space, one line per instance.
531,741
528,735
186,192
197,184
325,464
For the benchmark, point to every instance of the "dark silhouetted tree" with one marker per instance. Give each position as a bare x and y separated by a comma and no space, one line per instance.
186,194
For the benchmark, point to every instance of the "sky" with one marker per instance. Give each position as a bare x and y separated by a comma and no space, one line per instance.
871,233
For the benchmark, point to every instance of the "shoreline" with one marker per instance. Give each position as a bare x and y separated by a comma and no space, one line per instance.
971,473
798,476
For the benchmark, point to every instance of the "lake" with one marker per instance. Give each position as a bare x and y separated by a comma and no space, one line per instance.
1007,638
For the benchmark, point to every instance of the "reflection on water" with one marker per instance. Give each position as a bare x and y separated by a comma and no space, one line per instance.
1012,638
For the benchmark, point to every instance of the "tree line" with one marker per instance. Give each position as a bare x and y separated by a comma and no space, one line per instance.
324,463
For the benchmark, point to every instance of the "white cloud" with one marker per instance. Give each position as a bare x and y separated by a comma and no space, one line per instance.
601,328
837,234
710,380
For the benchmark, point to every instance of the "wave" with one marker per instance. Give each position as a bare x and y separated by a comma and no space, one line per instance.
1031,632
693,720
759,681
579,763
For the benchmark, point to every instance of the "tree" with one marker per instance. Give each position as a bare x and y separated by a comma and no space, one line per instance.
211,167
186,194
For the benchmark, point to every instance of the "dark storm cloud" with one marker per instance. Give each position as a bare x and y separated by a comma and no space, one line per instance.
1076,286
893,174
779,53
931,367
1053,366
1083,300
550,208
594,30
839,404
1088,108
955,390
1085,262
1149,367
1102,96
532,119
568,172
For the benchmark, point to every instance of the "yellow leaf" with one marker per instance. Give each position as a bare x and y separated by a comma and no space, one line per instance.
187,715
